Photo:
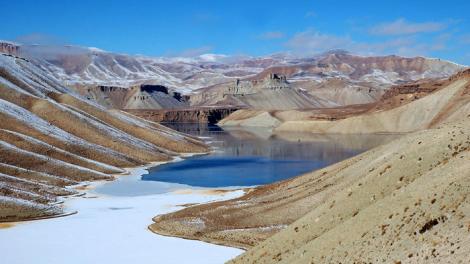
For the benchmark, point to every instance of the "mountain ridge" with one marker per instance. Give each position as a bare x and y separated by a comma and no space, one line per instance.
62,56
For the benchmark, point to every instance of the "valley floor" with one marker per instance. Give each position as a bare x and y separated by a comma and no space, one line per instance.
112,229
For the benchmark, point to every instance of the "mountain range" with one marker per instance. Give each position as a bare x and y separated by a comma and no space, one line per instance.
333,78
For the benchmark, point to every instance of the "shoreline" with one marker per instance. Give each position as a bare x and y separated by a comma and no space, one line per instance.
213,242
92,185
102,226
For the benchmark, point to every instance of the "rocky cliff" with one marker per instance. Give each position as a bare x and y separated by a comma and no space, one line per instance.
271,92
442,102
196,115
144,96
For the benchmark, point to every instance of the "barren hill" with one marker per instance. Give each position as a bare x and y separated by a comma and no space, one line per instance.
50,138
403,108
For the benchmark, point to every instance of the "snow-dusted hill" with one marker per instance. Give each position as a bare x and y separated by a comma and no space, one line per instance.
50,138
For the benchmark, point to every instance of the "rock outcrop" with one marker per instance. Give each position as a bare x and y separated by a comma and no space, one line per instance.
196,115
271,92
144,96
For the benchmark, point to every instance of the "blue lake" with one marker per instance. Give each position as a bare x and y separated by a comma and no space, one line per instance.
244,157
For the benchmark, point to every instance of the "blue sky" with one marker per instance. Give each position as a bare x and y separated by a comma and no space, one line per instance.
172,28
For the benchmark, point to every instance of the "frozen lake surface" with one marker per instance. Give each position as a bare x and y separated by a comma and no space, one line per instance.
111,229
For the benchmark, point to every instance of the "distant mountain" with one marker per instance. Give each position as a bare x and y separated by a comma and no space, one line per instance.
337,76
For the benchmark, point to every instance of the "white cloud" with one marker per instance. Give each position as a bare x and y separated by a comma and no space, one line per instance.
404,27
312,42
194,52
271,35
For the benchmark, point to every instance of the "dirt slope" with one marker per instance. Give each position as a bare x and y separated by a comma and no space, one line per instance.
404,201
274,118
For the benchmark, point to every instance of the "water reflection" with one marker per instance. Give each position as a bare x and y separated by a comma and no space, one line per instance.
245,157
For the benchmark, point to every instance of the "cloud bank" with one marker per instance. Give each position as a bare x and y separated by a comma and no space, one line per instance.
404,27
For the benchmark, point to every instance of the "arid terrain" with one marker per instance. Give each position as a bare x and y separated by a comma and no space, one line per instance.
402,202
238,132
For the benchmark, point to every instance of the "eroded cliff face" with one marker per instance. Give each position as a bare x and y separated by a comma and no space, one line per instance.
144,96
196,115
403,108
271,92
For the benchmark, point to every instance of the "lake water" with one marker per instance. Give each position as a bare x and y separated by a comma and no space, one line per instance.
247,157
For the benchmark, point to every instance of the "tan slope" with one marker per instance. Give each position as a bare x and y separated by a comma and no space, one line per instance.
447,104
243,117
39,147
36,176
96,131
342,91
15,118
348,186
12,155
364,209
406,202
51,138
270,93
285,99
250,118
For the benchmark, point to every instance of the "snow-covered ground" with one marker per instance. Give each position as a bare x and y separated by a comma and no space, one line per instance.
112,229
